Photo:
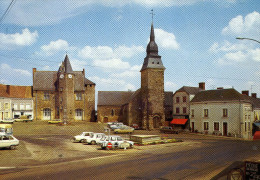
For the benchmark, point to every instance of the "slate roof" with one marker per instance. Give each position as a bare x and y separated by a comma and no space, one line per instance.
44,80
119,98
190,90
225,95
114,98
15,91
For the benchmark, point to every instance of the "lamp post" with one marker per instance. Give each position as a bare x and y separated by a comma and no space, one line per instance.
248,39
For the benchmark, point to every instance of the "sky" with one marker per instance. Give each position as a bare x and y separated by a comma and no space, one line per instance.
108,38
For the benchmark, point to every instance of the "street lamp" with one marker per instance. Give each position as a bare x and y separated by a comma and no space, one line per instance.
247,39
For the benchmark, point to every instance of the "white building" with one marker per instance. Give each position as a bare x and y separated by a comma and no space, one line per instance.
224,112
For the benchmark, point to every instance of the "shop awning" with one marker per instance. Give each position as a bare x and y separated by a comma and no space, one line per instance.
179,121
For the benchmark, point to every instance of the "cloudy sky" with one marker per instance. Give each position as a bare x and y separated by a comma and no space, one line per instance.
108,38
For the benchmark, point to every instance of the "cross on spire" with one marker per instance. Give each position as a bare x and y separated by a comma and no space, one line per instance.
152,15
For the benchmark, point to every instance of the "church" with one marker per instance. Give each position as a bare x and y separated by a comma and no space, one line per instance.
150,106
64,94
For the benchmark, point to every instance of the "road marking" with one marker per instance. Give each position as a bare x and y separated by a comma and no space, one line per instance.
7,167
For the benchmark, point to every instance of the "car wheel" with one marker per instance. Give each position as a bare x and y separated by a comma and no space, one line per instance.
81,141
93,142
12,147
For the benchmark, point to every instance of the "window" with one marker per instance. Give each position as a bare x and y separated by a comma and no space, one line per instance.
28,106
6,105
184,110
6,115
22,107
248,126
15,107
46,96
47,112
192,113
79,112
177,99
112,112
184,99
225,113
78,96
206,113
245,127
206,126
177,110
216,126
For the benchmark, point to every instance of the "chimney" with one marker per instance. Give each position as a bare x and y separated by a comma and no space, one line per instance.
202,85
254,95
220,88
34,70
8,89
245,93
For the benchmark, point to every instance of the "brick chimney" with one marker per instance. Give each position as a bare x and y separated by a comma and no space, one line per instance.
254,95
202,85
34,70
245,93
8,89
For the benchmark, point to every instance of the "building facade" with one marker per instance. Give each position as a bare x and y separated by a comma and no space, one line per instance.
16,101
147,106
181,103
223,112
64,94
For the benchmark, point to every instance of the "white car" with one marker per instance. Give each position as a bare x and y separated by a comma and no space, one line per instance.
81,138
116,141
94,138
8,141
116,125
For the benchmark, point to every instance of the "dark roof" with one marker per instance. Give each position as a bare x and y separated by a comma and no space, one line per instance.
88,82
220,95
68,68
47,80
189,90
15,91
114,98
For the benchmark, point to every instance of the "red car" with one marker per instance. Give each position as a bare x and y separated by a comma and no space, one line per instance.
257,135
136,127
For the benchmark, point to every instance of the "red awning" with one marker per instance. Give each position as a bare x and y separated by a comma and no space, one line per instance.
179,121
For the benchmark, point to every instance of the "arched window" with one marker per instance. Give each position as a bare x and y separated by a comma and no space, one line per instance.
79,112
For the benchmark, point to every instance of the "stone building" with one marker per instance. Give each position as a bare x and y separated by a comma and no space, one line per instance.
64,94
224,112
147,106
16,101
181,104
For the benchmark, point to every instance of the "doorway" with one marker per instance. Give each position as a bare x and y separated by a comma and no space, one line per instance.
225,129
192,126
156,122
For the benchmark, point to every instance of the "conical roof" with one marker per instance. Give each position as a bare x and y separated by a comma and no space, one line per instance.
68,68
152,48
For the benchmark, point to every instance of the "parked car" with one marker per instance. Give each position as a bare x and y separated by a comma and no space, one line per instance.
168,129
8,121
55,121
256,135
94,138
8,141
115,125
124,129
116,141
81,138
136,126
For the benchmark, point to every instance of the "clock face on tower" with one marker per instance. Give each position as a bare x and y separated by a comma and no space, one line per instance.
61,76
70,76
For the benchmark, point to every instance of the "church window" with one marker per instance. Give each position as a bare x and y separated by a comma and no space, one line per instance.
46,96
78,96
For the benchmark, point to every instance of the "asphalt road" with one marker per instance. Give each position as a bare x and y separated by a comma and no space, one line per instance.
198,157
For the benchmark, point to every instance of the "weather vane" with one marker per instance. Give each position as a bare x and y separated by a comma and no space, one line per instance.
152,14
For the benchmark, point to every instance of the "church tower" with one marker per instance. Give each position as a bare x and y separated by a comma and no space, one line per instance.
66,77
152,86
